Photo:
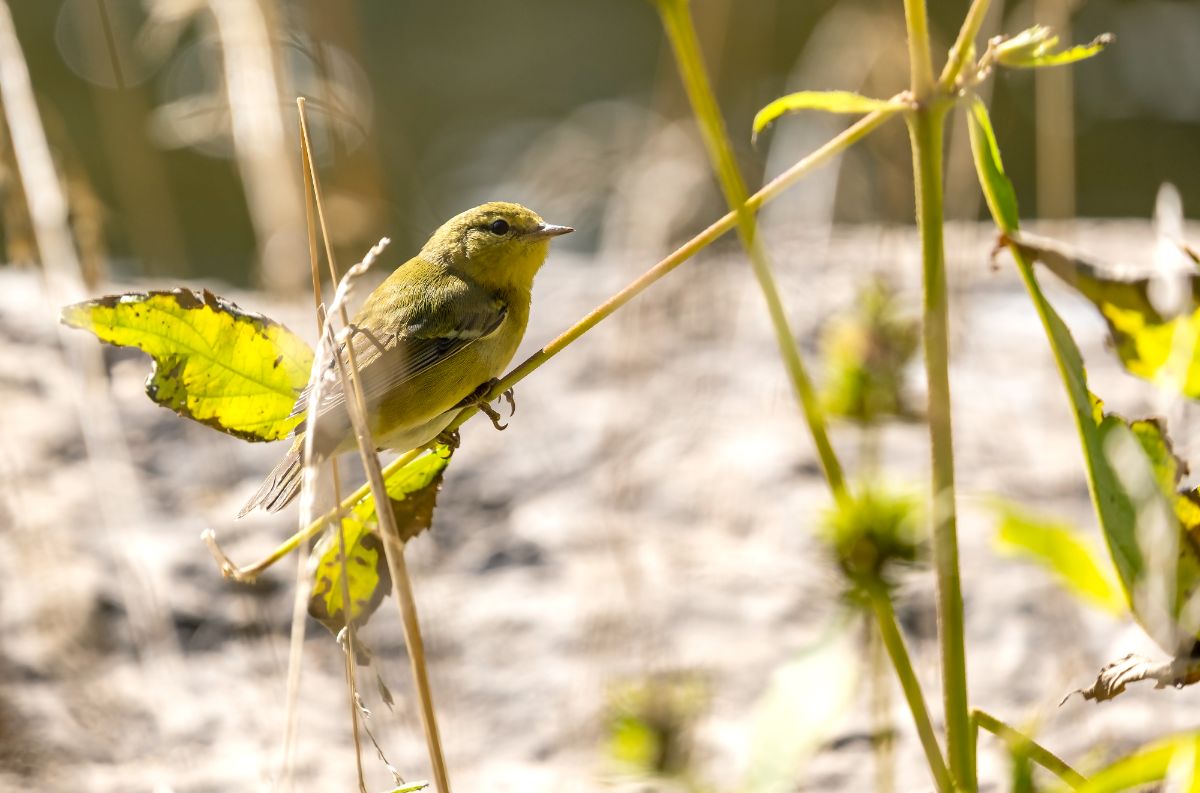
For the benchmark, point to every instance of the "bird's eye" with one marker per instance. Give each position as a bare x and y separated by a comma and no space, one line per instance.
499,227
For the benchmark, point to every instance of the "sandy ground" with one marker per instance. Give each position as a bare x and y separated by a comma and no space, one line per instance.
649,510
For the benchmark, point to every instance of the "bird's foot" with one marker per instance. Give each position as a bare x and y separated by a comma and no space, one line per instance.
451,439
478,399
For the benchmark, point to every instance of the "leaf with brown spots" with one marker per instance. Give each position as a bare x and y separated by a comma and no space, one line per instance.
232,370
413,493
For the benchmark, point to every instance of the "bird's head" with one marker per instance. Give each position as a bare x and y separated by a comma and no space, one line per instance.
498,244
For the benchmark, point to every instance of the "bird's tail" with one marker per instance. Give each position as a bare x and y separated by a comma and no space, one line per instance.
282,484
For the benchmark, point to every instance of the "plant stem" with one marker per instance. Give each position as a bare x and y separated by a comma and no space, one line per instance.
680,30
962,45
885,617
919,58
926,126
1020,742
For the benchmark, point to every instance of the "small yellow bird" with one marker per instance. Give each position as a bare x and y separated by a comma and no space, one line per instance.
445,323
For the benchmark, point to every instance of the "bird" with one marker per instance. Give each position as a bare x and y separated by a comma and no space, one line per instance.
428,340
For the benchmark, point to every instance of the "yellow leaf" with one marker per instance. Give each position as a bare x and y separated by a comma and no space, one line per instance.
232,370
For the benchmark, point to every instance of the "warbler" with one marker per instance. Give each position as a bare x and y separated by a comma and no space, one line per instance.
429,339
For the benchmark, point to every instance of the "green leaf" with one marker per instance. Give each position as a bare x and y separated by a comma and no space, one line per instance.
1115,510
997,189
229,369
413,788
825,101
413,493
1034,48
1158,348
1059,549
1124,506
804,702
1174,758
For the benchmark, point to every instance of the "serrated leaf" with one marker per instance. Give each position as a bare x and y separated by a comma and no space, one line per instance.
1162,349
413,493
824,101
1121,513
229,369
1035,48
1060,550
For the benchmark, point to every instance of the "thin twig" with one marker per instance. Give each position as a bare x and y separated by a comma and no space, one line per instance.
393,545
893,640
681,32
964,44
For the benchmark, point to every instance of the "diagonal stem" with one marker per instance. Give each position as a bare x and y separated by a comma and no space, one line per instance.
963,44
680,30
1020,742
893,640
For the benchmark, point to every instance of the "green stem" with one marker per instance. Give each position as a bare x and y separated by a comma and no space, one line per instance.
962,45
919,58
681,32
926,126
1020,743
893,640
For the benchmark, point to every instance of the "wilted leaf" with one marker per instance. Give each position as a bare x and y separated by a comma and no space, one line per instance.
1059,549
1034,48
1123,514
806,699
413,492
1133,668
229,369
825,101
1161,349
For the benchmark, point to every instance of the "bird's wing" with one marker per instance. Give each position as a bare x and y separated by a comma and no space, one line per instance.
412,343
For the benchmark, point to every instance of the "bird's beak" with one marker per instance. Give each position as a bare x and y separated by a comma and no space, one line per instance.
550,230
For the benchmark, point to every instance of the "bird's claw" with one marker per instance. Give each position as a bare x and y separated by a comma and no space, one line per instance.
479,399
491,413
451,439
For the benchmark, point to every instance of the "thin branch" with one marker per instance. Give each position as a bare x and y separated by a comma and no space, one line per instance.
893,640
963,44
681,32
393,546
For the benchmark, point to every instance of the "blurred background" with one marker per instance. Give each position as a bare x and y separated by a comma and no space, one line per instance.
626,589
174,120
